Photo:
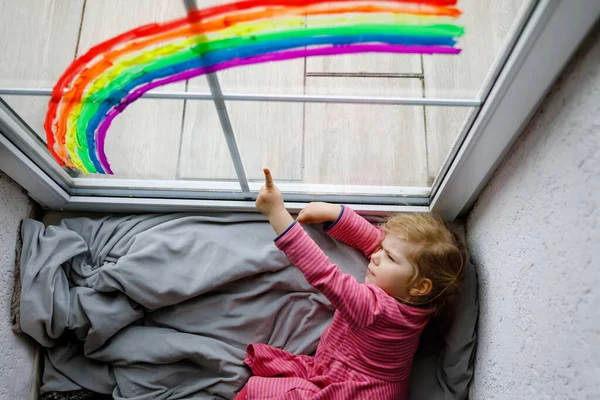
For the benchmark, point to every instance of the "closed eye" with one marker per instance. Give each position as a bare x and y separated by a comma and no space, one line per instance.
387,253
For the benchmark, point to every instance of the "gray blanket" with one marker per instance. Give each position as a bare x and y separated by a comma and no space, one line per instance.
163,306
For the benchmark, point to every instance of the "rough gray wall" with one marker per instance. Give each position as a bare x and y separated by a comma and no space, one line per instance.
16,354
534,236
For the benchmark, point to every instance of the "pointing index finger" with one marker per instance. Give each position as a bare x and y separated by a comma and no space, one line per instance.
268,177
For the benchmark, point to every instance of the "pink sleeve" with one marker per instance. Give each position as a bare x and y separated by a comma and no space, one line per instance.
356,231
358,304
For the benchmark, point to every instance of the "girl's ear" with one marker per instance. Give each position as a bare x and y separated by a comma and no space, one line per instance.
421,288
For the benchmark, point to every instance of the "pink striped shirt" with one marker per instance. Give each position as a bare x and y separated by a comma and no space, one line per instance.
366,352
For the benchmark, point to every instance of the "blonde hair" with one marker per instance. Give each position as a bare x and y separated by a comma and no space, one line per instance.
437,254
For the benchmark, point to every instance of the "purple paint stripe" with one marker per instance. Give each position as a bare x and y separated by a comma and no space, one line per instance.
272,57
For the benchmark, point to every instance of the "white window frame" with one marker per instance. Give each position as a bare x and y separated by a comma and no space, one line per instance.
508,100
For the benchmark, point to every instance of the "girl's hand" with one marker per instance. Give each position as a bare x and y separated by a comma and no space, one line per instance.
269,200
317,212
270,203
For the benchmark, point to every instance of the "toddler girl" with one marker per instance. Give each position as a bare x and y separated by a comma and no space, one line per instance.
416,265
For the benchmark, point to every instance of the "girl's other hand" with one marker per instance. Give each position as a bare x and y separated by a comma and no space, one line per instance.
270,199
318,212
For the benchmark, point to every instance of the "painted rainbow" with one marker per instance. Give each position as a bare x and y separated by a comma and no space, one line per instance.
101,83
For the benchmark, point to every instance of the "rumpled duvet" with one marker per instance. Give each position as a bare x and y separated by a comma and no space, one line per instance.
163,306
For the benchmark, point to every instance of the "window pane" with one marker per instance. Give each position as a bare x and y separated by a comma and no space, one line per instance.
403,145
347,144
313,143
365,145
149,139
488,27
70,28
267,134
358,144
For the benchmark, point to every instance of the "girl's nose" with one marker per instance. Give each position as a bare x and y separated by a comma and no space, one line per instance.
375,258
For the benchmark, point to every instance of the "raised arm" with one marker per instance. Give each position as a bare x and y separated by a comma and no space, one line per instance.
355,231
358,304
344,224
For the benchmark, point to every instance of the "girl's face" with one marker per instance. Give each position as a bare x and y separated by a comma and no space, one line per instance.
389,268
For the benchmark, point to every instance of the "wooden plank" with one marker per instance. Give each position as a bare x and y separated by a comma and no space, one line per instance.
365,64
462,76
143,142
38,43
268,134
365,144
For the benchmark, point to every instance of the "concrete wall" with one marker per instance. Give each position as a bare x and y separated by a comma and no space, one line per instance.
16,353
534,236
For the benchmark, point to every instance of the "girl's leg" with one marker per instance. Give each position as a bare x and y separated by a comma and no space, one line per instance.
242,394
